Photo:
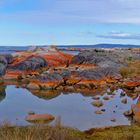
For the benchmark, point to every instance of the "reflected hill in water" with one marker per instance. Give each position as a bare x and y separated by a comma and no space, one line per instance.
50,94
2,93
45,94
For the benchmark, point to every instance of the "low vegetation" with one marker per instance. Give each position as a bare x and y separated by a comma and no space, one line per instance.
132,68
39,132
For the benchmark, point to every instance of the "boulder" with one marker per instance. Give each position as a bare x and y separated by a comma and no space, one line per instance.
3,60
137,89
113,119
31,113
132,83
31,63
50,76
33,86
103,110
3,65
96,98
128,112
78,59
124,101
122,94
98,57
2,69
9,58
42,118
97,103
106,98
97,73
98,112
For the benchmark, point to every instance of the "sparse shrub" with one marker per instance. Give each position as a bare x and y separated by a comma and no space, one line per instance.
132,69
124,71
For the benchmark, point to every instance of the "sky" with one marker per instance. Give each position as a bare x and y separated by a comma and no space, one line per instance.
69,22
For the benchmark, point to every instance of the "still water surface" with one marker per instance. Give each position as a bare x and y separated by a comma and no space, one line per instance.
74,109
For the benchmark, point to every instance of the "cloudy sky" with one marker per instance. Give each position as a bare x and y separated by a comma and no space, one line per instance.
29,22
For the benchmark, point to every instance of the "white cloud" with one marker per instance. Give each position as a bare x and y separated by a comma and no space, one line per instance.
120,35
79,11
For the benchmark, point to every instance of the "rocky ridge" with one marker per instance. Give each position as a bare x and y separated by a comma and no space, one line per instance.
49,68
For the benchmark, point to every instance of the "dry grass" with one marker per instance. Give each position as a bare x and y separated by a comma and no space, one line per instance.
133,68
39,132
57,132
116,133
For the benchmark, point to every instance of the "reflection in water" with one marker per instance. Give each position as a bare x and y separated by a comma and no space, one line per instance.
74,109
2,93
50,94
46,94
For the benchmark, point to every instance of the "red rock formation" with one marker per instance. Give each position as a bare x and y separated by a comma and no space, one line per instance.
136,110
132,83
52,56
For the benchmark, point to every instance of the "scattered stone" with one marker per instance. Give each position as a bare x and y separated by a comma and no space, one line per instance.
124,101
137,89
122,94
103,110
110,93
96,98
128,112
106,98
17,86
98,112
97,103
33,86
31,113
39,118
112,96
113,119
135,96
